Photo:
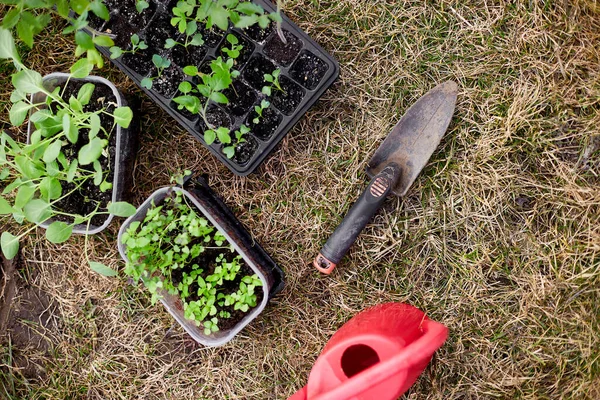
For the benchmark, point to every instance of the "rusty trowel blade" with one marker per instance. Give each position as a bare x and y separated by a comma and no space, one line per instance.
416,136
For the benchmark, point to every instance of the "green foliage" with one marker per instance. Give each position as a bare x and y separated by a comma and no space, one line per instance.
273,80
141,5
35,174
233,51
161,63
220,13
192,38
136,45
209,89
168,243
27,18
264,104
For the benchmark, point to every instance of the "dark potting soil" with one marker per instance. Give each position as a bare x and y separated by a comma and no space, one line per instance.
256,33
191,55
267,125
84,200
206,261
125,11
168,82
308,69
288,99
140,62
159,31
241,98
283,53
245,52
212,37
245,150
217,117
255,71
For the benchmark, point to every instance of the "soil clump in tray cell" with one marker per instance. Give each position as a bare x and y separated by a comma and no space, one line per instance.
159,31
256,33
241,98
84,200
245,150
288,99
191,55
255,71
217,117
308,70
267,124
283,53
168,82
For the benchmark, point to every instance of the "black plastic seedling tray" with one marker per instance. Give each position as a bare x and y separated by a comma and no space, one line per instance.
306,72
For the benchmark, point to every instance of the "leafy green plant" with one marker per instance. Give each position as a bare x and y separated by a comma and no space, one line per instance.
210,88
136,45
39,171
141,5
161,63
264,104
234,50
273,80
29,17
172,250
220,13
192,38
239,138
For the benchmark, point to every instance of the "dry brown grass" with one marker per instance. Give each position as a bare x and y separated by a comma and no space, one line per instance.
499,239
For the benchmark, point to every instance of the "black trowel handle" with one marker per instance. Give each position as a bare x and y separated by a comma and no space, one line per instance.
357,218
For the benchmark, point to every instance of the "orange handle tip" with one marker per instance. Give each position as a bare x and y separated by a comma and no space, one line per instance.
324,265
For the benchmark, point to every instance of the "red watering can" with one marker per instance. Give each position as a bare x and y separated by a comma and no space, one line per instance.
377,355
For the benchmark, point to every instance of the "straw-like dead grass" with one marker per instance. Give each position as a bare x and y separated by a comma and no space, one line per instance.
499,239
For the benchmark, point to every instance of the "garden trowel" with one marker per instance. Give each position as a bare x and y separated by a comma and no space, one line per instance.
394,167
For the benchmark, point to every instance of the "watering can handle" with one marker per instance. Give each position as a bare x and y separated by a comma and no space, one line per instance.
435,335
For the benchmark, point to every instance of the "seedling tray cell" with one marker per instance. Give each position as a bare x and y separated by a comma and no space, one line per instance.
306,72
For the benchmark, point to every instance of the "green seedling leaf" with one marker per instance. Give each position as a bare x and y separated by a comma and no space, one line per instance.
91,151
102,269
121,209
246,21
232,39
11,18
249,8
146,83
24,194
229,151
266,90
84,41
220,17
28,81
5,207
210,136
185,87
75,104
5,172
85,93
25,32
223,135
100,9
50,188
104,186
170,43
52,151
94,125
141,5
37,211
190,70
197,40
18,112
72,170
218,97
70,129
10,245
97,173
58,232
82,68
123,116
115,52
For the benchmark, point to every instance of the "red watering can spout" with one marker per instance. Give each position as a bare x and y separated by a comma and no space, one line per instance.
378,354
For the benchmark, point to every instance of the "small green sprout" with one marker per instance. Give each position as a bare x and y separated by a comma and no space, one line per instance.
161,64
136,45
273,79
264,104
